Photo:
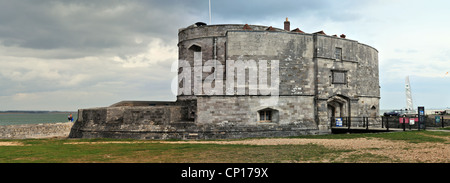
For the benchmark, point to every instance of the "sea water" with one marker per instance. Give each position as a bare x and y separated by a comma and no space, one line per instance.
35,118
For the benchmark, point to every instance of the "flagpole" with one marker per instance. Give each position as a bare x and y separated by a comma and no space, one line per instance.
209,12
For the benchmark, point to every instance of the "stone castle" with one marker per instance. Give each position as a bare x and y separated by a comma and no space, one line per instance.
238,81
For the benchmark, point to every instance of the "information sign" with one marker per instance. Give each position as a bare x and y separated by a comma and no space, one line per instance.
437,119
411,121
338,122
405,119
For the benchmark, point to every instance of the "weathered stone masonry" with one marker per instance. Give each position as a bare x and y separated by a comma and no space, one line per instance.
320,77
32,131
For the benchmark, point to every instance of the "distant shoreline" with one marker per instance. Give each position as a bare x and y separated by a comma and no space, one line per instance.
35,112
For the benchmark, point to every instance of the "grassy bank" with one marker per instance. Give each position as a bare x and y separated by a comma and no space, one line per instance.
144,151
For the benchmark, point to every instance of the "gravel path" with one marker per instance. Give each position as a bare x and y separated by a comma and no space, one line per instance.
11,144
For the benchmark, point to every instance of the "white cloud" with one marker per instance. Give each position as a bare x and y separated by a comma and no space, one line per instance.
157,51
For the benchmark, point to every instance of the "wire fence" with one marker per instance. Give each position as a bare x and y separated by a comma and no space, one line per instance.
410,122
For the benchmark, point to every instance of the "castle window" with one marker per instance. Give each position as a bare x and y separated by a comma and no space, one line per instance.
195,48
339,77
338,53
268,115
265,116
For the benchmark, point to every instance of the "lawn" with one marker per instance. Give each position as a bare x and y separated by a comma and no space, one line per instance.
55,151
147,151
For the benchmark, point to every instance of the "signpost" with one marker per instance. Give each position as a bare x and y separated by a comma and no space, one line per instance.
421,116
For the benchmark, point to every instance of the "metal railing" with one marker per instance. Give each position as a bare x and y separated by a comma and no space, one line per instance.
356,122
430,121
386,122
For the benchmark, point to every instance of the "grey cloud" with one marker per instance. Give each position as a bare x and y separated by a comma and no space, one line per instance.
89,27
79,28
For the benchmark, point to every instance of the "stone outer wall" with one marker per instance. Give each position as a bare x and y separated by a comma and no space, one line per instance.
33,131
243,109
125,119
166,123
306,66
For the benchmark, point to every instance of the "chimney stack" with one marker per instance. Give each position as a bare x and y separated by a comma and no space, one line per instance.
287,25
343,36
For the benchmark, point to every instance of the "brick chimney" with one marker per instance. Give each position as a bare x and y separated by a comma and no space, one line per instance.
287,25
343,36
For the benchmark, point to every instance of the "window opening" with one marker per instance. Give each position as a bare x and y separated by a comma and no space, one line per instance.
265,116
338,53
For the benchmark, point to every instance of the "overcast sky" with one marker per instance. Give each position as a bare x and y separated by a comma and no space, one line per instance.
71,54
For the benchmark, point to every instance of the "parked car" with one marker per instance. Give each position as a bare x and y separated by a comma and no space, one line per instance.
392,113
441,112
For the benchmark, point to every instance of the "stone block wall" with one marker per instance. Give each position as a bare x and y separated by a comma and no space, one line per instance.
244,109
294,51
125,119
167,123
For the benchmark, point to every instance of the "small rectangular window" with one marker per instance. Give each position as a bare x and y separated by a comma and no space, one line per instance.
265,116
339,77
338,53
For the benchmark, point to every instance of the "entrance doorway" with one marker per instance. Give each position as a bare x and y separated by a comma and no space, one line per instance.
338,106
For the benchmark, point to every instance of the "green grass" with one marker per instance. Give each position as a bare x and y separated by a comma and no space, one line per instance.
408,136
367,158
54,151
141,151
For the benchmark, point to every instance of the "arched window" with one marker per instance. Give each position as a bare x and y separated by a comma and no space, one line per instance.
195,48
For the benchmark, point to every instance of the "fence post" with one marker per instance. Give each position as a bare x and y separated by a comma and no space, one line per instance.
404,123
349,122
443,121
367,121
382,121
387,123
